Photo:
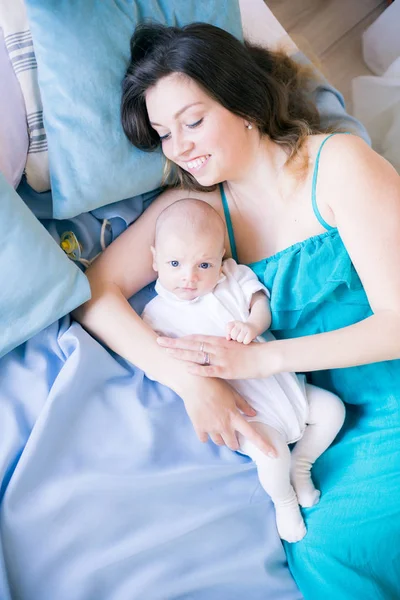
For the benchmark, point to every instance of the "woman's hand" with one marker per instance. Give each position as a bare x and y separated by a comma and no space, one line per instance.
212,356
214,408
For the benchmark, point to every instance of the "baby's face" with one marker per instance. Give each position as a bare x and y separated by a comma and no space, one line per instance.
188,268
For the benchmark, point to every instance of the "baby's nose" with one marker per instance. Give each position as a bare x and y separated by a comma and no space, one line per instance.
190,275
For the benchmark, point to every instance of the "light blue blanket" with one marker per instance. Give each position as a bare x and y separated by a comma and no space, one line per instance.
108,494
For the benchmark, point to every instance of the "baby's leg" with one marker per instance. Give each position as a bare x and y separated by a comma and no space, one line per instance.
325,420
274,475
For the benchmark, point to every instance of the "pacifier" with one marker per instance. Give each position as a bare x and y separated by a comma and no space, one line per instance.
71,246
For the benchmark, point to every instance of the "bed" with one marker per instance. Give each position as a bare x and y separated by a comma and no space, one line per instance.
106,492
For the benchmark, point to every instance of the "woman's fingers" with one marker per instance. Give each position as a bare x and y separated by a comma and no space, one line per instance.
192,349
217,439
203,371
230,439
188,355
196,343
245,406
202,435
245,428
227,438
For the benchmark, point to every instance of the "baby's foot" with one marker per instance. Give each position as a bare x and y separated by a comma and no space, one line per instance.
290,524
289,521
307,494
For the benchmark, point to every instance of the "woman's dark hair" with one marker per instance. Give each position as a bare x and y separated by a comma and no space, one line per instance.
264,87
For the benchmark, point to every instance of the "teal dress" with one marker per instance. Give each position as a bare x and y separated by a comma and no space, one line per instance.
352,548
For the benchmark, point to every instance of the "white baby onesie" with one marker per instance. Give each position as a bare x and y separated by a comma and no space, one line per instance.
280,400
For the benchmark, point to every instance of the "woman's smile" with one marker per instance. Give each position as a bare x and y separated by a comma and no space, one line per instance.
197,163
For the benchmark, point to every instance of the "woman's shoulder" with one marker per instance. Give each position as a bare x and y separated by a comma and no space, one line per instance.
350,172
344,151
337,145
346,159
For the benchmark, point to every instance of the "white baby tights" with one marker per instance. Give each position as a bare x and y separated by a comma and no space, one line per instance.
287,479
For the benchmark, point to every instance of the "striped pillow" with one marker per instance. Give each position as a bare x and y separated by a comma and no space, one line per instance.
18,41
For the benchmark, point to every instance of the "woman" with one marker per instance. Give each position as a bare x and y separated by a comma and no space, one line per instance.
317,218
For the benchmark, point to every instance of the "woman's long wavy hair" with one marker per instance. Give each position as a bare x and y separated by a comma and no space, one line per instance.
264,87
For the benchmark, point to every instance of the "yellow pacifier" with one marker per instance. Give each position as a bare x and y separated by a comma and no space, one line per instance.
71,246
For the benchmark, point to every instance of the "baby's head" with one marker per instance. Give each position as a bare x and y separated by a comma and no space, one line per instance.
188,248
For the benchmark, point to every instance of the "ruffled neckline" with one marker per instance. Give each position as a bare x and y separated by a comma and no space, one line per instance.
294,247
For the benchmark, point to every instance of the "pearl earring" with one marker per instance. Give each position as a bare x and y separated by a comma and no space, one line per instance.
249,126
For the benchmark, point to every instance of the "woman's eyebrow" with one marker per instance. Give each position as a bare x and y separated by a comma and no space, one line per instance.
178,114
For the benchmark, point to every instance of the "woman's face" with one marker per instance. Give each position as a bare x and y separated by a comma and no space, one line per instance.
196,132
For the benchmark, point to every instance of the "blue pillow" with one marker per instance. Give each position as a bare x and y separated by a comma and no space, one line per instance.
82,51
40,284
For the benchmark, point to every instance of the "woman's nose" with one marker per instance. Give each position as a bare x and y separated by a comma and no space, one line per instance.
181,145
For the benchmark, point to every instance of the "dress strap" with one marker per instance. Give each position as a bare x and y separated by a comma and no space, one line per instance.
228,223
314,186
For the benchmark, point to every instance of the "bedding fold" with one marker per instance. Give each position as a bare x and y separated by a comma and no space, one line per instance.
107,493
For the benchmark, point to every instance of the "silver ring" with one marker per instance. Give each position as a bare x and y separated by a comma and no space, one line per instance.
202,347
206,361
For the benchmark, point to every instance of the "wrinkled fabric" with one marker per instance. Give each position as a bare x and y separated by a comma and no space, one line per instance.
352,547
107,492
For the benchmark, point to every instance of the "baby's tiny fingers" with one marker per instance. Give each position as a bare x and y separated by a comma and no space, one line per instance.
241,336
235,332
230,326
248,338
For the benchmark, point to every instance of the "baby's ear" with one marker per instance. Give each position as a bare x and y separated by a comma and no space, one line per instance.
153,251
222,263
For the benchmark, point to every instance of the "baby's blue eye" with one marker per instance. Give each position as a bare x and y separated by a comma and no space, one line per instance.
205,265
174,263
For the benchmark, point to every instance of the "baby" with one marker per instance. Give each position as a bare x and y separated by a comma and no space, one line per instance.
200,293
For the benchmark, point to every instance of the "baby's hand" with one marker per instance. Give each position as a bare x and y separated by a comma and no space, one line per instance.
241,332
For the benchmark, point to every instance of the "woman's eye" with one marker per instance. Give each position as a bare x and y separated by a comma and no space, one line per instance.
205,265
174,263
164,137
193,125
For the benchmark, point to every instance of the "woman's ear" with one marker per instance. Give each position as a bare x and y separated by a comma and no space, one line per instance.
153,251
